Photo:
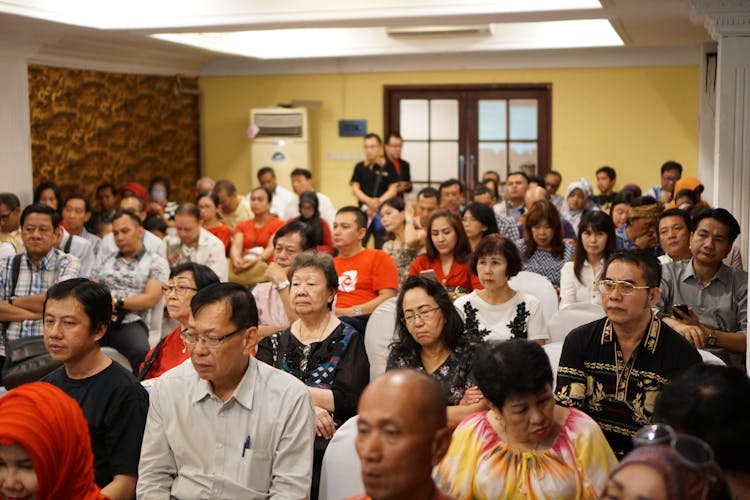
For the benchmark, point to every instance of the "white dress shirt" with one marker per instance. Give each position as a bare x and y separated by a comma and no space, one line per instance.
209,252
82,249
258,444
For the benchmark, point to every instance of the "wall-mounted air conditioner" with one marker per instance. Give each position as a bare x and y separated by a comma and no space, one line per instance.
281,141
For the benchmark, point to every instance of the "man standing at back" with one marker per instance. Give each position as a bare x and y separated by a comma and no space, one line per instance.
393,145
367,277
77,313
225,425
39,267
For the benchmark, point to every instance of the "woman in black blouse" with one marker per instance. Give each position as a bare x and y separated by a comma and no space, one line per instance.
324,353
431,339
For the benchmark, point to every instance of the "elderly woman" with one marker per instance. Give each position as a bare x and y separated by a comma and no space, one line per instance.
497,312
431,339
324,353
45,448
184,282
524,446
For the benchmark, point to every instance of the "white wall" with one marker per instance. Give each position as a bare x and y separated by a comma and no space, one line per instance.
15,129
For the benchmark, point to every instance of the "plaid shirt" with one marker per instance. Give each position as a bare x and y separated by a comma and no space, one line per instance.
54,267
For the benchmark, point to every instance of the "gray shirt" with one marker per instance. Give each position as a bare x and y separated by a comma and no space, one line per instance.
720,305
194,445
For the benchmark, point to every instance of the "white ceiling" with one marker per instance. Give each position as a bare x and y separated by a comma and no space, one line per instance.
118,36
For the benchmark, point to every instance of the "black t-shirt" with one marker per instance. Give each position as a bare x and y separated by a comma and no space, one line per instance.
115,406
368,178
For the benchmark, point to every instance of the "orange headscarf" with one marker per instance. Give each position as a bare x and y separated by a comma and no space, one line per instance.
690,183
51,427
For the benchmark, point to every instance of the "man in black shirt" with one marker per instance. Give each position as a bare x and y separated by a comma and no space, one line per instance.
374,180
614,368
76,314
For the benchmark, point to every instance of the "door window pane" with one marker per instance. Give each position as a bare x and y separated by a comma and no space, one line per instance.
416,153
493,156
523,119
414,119
443,161
522,153
444,119
492,120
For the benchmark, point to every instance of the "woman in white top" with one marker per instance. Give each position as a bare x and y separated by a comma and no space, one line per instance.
498,312
596,242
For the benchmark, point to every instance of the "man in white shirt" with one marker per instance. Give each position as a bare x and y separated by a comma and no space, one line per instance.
301,182
224,425
281,195
192,243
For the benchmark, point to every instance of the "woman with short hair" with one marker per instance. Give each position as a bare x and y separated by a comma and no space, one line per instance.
525,445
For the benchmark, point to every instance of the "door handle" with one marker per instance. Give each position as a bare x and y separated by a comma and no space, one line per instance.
461,166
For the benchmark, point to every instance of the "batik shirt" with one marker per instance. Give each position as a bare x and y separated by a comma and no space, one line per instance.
619,394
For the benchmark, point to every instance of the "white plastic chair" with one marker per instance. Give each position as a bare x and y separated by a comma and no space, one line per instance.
553,350
380,332
540,287
117,357
571,317
711,358
341,473
154,322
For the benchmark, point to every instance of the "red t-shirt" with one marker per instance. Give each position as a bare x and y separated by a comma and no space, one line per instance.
172,353
363,275
459,274
223,232
257,236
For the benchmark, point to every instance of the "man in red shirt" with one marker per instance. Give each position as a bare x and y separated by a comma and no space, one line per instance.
367,277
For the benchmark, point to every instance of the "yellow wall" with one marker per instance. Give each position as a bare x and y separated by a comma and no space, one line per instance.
633,119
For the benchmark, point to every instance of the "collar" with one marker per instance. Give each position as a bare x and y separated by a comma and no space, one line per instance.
46,261
138,254
243,393
649,341
724,274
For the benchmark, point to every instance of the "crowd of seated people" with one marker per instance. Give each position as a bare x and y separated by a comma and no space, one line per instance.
270,296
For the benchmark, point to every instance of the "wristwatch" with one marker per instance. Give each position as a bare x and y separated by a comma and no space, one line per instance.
120,303
711,339
282,285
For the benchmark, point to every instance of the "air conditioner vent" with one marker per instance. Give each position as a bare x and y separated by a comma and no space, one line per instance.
279,125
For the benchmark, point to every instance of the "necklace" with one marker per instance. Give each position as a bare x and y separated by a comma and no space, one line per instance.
317,337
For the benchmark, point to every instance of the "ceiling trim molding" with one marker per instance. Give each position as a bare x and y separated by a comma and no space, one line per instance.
722,17
545,59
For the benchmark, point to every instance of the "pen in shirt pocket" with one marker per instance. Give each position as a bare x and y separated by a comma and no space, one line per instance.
246,446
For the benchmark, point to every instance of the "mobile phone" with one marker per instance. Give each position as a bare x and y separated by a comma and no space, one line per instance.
683,308
429,274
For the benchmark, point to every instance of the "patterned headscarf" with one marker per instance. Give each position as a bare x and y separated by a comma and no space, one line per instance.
50,426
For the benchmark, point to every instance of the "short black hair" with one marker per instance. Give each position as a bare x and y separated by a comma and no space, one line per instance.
95,299
301,171
307,241
10,200
429,192
512,368
710,402
78,196
202,275
554,172
190,209
55,189
393,135
538,180
687,193
453,327
498,244
644,260
268,192
521,173
359,215
671,165
607,170
452,182
131,215
640,201
160,180
155,223
373,135
479,190
225,185
41,208
244,312
675,212
134,197
106,185
720,215
265,170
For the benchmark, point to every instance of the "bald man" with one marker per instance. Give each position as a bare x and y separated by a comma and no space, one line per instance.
402,434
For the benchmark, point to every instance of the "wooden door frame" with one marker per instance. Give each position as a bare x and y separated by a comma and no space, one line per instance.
541,91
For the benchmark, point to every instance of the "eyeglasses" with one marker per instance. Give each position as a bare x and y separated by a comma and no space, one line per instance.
424,315
626,288
179,290
692,451
210,342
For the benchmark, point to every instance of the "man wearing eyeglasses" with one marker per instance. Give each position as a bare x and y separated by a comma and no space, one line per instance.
39,266
614,368
225,425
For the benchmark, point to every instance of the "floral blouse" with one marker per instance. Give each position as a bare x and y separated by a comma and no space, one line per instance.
455,375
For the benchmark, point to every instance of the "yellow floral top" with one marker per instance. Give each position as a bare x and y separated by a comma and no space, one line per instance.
479,465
